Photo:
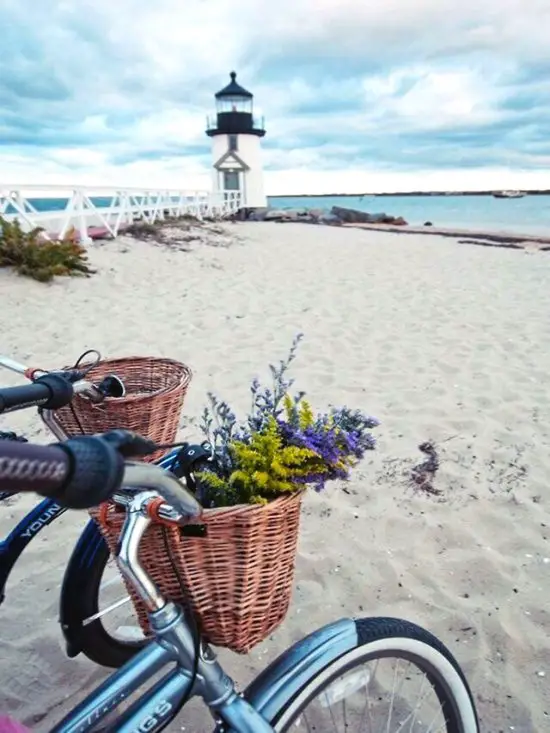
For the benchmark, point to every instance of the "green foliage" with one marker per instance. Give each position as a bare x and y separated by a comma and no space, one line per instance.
265,468
40,259
298,412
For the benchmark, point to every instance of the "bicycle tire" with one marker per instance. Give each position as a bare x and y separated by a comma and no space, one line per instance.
383,637
94,640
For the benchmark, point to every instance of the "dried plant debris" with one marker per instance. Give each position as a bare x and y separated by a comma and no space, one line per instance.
182,233
509,473
423,474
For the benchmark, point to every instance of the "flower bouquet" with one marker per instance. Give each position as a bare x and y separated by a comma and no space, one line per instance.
282,447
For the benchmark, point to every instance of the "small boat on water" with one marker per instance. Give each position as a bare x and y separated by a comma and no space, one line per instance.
508,194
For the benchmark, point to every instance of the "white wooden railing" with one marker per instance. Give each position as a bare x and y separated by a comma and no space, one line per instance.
60,208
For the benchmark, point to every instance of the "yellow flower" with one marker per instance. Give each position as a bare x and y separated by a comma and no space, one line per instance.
307,418
265,468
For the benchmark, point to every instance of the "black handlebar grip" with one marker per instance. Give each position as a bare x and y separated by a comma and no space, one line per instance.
97,470
61,390
51,391
24,395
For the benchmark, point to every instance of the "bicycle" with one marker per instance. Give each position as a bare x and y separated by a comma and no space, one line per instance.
82,619
324,666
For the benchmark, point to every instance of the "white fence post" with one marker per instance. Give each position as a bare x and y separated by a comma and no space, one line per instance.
81,217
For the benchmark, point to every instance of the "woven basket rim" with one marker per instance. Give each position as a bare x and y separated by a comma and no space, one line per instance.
224,511
242,508
183,378
141,358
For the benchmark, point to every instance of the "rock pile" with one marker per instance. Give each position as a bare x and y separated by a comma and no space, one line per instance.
337,216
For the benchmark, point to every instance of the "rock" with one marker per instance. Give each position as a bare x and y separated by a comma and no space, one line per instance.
318,213
428,224
380,219
286,215
353,216
330,220
258,214
278,215
335,217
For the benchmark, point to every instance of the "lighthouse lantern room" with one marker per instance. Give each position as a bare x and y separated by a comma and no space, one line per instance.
236,151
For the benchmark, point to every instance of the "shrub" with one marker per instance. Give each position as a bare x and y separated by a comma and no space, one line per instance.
41,259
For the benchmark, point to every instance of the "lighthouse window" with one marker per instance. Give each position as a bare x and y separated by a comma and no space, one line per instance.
231,180
233,142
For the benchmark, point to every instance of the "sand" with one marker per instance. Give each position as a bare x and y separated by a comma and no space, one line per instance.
440,341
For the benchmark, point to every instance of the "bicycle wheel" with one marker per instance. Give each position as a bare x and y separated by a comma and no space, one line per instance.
102,618
363,689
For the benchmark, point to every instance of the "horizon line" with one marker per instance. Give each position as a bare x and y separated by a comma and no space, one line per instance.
485,192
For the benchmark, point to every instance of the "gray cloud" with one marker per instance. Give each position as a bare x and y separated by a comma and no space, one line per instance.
345,86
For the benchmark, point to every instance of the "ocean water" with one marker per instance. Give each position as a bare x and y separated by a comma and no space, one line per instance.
58,204
527,215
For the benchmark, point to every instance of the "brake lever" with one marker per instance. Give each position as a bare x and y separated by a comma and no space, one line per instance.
71,375
129,444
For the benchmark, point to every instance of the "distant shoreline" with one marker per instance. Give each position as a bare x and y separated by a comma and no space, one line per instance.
511,240
534,192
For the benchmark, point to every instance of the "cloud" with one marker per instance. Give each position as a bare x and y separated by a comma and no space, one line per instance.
357,96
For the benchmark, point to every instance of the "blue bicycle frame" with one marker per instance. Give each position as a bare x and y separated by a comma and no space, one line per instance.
252,712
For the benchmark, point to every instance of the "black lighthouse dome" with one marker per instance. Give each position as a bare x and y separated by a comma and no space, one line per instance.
234,112
233,90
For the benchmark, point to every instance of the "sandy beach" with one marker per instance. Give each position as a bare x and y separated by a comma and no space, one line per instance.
440,341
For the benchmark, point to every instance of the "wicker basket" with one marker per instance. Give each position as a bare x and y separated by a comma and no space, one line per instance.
155,390
237,579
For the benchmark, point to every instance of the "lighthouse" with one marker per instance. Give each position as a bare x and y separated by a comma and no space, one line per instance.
236,151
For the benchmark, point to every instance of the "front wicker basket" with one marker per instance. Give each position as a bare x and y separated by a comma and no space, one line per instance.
155,391
237,579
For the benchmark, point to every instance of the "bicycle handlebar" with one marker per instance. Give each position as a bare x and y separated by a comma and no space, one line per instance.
52,390
87,470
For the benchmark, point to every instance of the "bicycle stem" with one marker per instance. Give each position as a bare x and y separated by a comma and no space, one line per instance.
181,505
135,525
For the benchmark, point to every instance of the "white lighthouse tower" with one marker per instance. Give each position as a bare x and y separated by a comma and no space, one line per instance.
236,152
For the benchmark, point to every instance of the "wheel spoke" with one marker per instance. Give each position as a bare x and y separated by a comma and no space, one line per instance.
107,610
412,715
367,706
392,697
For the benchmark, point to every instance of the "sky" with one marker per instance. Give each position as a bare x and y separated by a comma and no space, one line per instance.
357,96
